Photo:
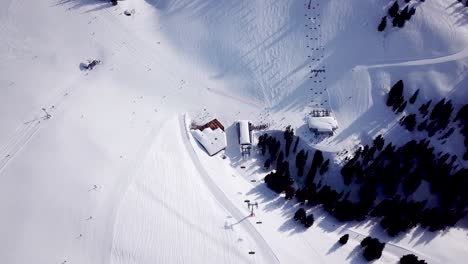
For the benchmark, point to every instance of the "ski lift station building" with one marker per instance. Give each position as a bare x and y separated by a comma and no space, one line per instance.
244,131
211,136
322,124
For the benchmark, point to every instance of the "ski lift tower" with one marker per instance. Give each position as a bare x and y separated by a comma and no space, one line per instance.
251,207
47,116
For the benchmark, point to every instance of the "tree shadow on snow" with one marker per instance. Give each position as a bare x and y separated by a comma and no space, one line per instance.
377,231
292,227
263,195
460,12
421,235
334,248
368,124
427,237
91,5
329,224
196,7
159,4
355,256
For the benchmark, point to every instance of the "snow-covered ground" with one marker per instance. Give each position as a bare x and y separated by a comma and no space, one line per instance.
113,177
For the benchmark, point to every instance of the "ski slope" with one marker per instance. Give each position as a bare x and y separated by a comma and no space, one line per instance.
178,220
111,176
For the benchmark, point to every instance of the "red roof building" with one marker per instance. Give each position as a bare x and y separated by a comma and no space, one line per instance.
213,124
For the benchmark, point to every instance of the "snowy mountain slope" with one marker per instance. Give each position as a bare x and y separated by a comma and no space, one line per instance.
170,224
64,178
279,51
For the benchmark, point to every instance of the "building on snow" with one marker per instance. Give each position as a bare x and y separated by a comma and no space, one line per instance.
322,122
211,136
244,130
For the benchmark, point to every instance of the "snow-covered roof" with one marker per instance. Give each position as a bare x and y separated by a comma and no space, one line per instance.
244,132
212,140
323,123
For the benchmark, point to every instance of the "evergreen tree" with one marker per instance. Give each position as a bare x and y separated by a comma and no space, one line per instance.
400,20
437,110
372,249
395,20
311,175
409,122
280,180
412,11
424,108
344,239
309,221
348,173
301,195
289,192
395,96
295,145
413,97
462,114
300,215
383,24
401,108
422,126
379,142
404,14
411,259
447,134
318,158
273,147
261,144
288,136
393,11
411,184
365,242
324,167
279,160
301,159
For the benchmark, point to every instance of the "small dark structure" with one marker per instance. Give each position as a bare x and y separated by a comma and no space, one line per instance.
90,64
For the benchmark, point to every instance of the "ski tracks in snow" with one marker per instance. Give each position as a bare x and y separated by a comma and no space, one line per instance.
264,248
26,131
362,74
463,54
20,138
